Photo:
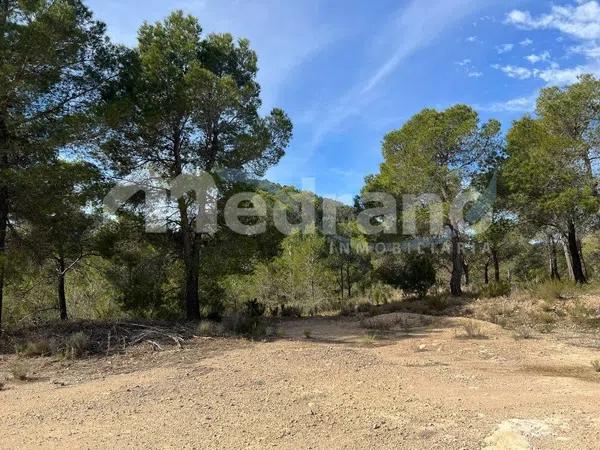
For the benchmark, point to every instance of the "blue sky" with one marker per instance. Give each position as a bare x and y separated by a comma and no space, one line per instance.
347,72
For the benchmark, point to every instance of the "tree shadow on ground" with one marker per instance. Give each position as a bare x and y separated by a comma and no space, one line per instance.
368,331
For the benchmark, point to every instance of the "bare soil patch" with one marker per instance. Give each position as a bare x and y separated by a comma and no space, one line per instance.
421,386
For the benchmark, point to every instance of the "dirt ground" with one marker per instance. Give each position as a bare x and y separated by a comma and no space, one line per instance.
340,388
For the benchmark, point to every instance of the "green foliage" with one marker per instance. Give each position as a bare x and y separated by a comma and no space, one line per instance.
143,274
414,273
54,61
551,290
76,111
255,309
496,289
380,293
539,158
298,278
439,153
186,103
242,324
438,302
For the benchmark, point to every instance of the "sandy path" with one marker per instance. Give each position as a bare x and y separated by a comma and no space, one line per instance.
432,389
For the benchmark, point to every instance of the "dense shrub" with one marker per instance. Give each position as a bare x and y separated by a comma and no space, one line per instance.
414,274
210,328
242,324
380,293
290,311
254,308
496,289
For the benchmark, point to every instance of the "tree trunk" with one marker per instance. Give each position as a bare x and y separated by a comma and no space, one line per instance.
457,267
342,280
62,297
348,280
3,229
486,273
568,259
496,262
554,275
583,266
466,272
576,264
191,260
4,209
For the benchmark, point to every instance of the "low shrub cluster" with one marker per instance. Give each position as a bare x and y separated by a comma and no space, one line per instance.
75,345
496,289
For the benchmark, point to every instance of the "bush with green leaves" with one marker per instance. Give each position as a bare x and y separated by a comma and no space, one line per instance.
414,273
496,289
380,293
242,324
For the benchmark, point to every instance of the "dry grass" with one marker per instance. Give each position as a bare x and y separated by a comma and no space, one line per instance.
577,372
20,370
77,345
379,323
210,329
542,315
33,349
369,339
596,365
388,322
523,332
473,329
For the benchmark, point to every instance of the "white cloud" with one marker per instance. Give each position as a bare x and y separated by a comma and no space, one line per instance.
553,76
581,21
504,48
526,42
562,77
534,59
472,39
519,104
469,68
589,50
520,73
